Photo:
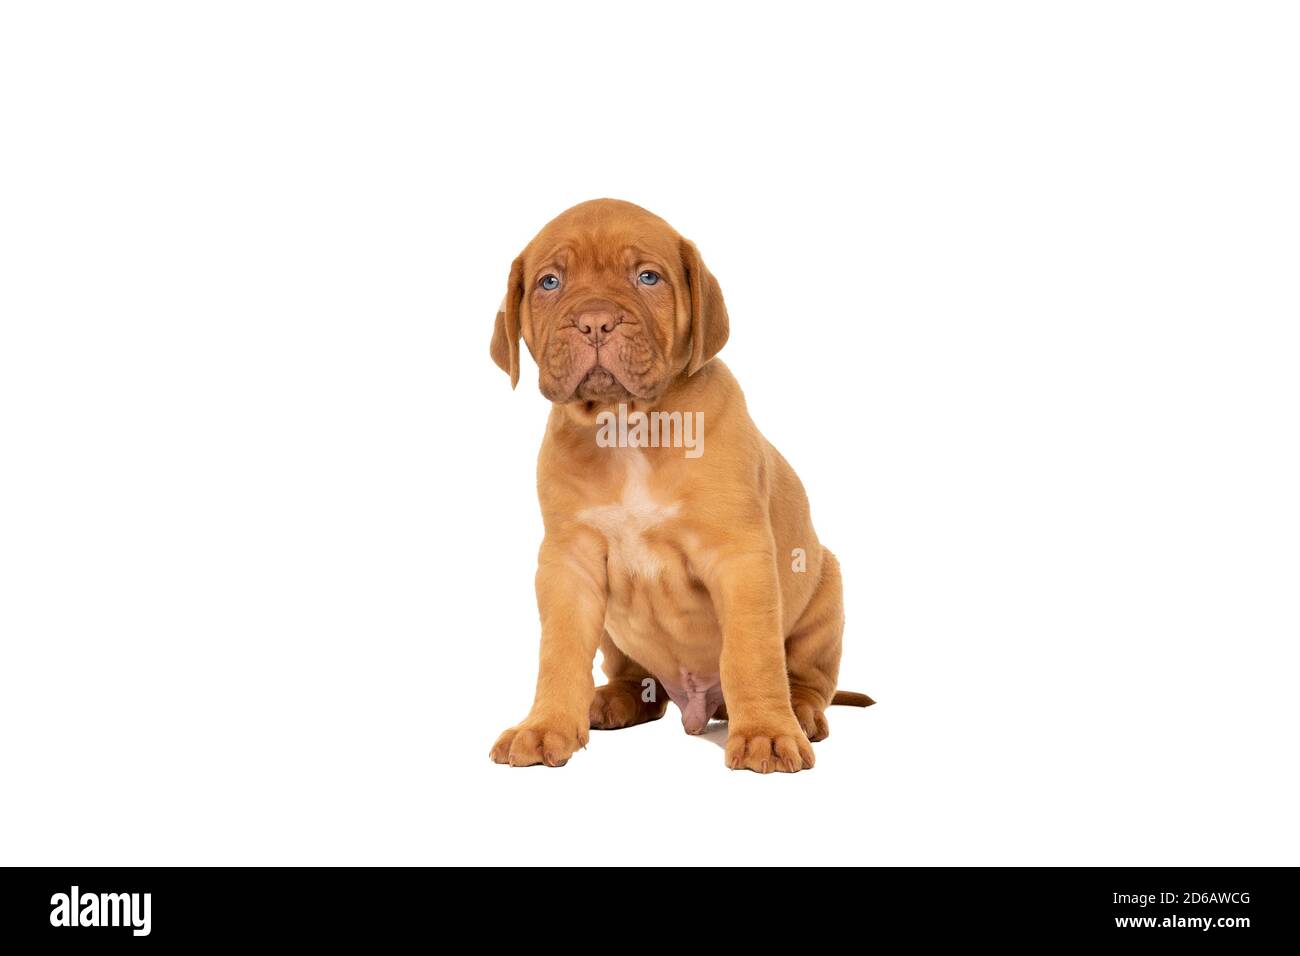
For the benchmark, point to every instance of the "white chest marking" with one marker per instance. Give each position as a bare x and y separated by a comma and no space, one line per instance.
625,523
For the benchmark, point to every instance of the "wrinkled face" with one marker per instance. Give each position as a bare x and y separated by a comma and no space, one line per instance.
602,313
602,297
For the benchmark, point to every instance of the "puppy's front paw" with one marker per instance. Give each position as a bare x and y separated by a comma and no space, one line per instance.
786,750
538,741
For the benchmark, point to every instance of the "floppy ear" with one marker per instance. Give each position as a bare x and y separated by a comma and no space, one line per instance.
709,324
505,336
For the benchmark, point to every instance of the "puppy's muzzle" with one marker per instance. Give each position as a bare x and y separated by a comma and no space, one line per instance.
597,320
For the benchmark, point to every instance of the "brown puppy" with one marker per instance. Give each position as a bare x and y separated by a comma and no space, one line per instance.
678,540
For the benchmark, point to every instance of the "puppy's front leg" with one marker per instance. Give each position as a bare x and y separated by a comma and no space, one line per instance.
764,734
571,593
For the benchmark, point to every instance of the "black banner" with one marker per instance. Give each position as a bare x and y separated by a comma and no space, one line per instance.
147,907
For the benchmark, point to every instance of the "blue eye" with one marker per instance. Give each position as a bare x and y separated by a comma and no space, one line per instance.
549,282
648,277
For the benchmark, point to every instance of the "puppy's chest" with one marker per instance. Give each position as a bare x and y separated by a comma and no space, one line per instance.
657,612
637,527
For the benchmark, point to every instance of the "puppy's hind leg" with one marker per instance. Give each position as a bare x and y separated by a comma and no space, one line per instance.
812,651
631,697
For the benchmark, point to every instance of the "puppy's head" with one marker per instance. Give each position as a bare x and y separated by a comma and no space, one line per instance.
612,304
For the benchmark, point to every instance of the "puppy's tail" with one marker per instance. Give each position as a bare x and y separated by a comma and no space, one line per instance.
850,698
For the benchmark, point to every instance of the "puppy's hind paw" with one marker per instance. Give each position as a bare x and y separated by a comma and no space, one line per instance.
620,703
812,719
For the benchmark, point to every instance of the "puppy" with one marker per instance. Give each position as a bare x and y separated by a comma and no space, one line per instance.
677,539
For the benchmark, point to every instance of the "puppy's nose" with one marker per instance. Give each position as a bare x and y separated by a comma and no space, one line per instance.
596,320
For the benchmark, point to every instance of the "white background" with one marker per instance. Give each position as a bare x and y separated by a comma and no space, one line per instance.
1013,286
